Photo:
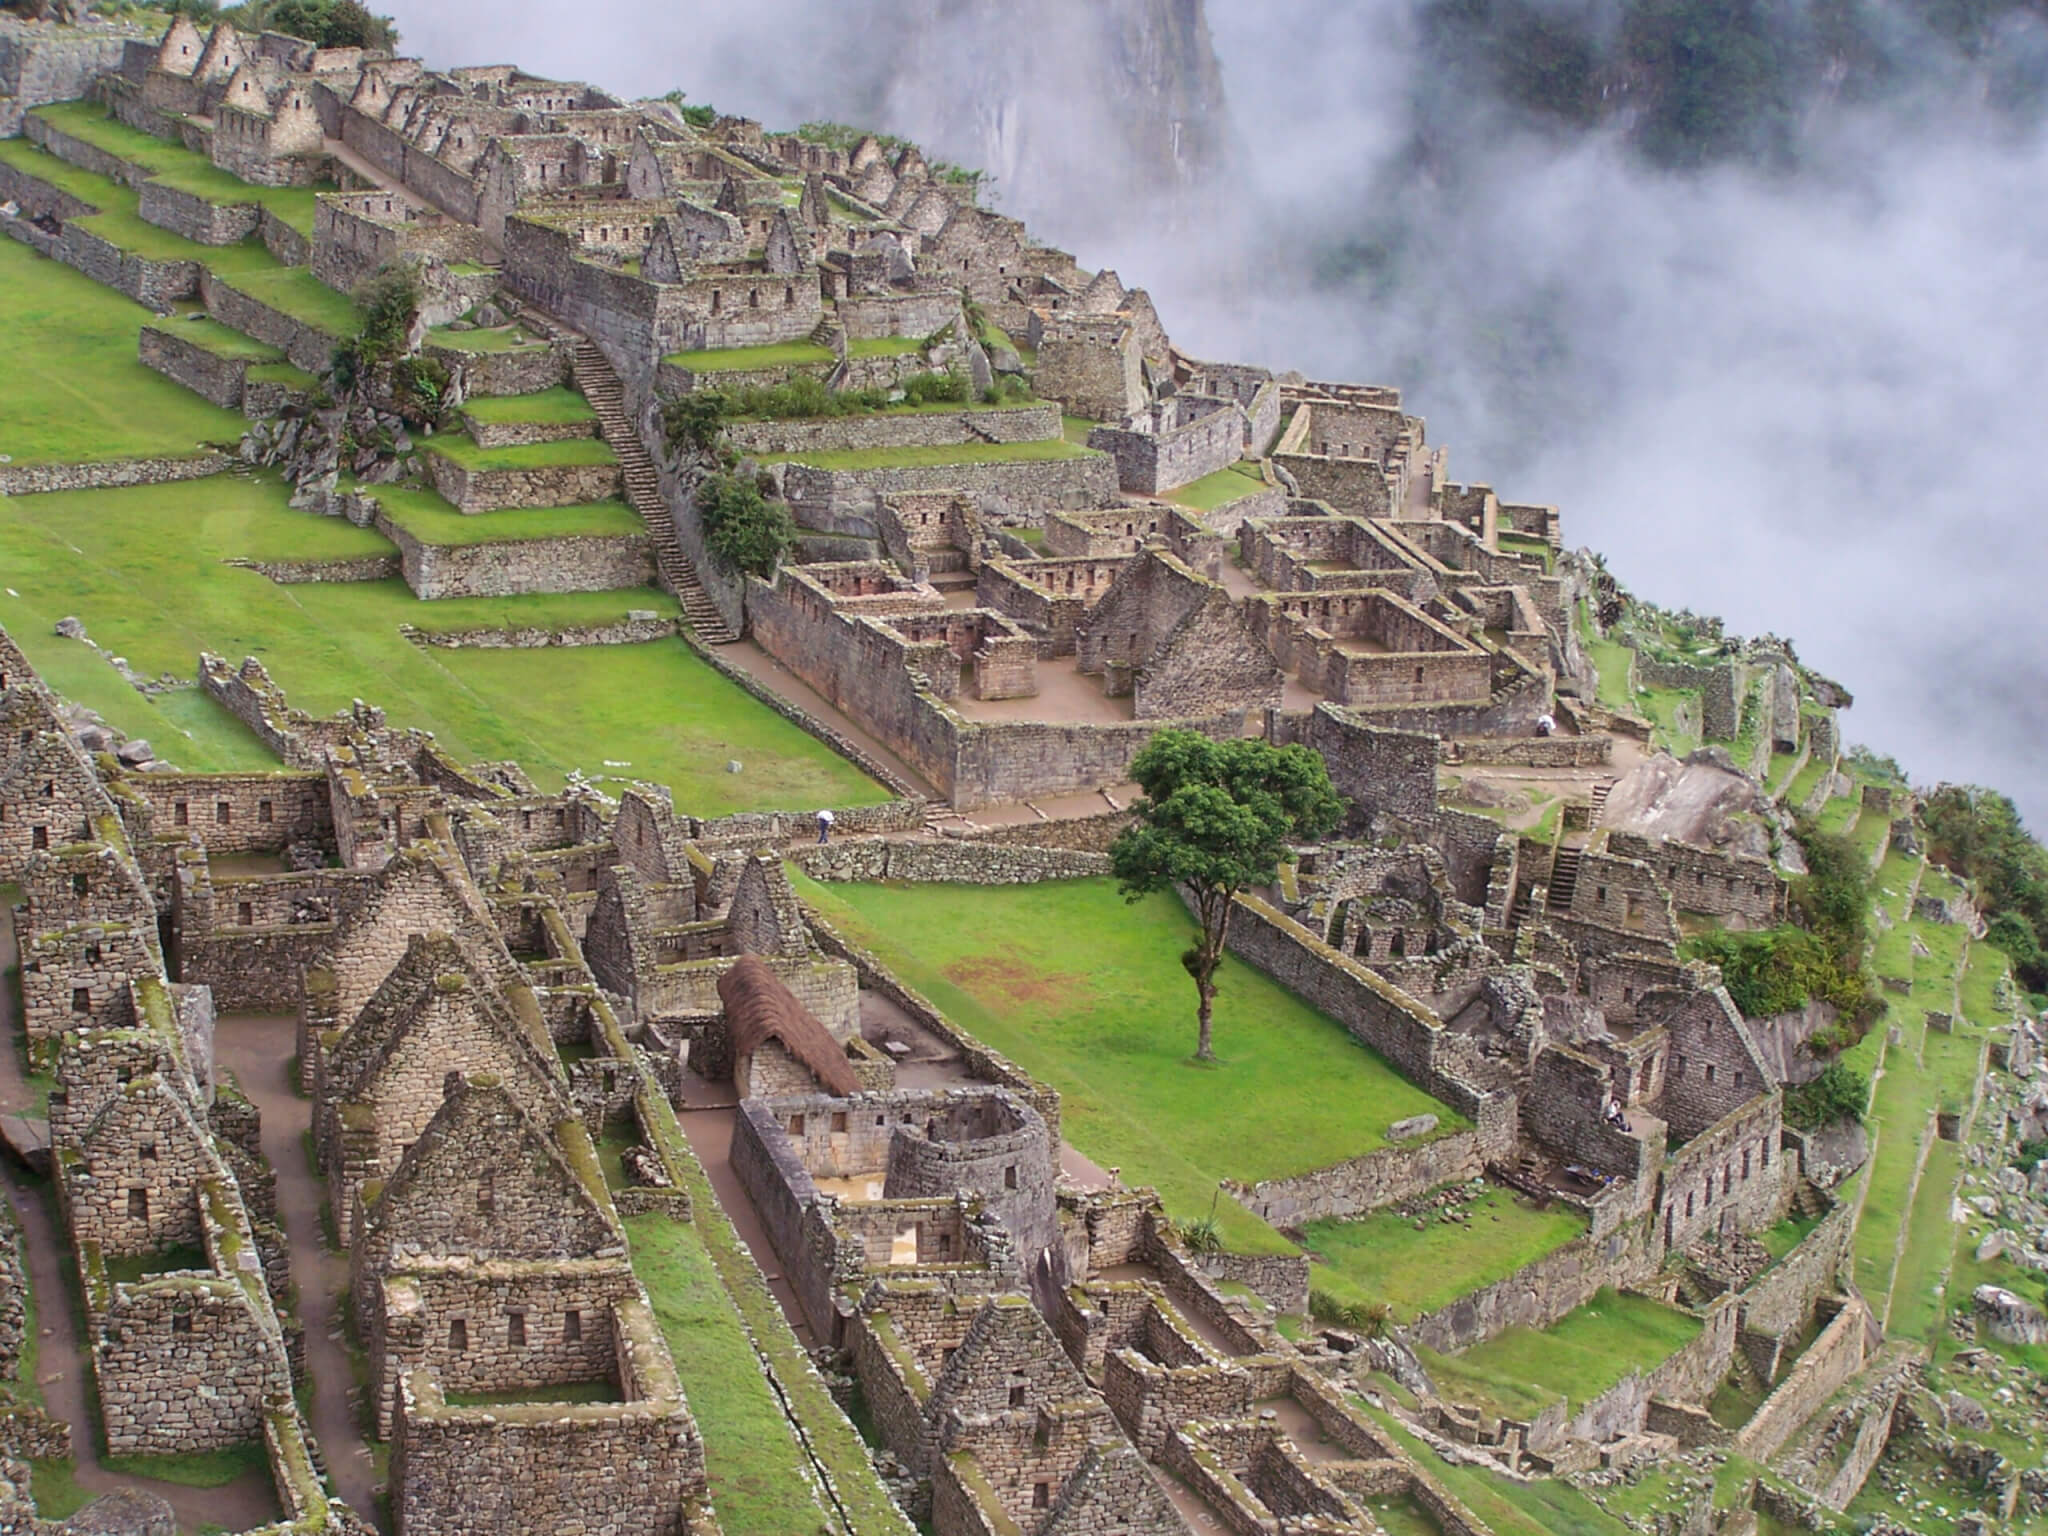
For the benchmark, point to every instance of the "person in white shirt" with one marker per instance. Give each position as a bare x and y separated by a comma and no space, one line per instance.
825,819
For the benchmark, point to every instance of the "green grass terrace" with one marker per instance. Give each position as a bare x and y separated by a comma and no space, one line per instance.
501,338
118,221
788,354
431,520
1218,490
1420,1263
927,458
110,557
1086,993
549,407
1522,1371
178,167
462,449
71,387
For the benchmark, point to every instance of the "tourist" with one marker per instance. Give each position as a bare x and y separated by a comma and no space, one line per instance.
1546,725
825,819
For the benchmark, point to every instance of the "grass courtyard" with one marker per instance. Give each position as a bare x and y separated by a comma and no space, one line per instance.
144,569
1522,1371
1086,993
789,354
73,389
1384,1257
432,520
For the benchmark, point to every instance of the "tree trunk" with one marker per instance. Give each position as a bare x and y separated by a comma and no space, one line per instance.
1215,918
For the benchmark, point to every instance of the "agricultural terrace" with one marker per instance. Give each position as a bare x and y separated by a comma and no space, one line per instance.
1522,1371
71,388
653,711
1086,993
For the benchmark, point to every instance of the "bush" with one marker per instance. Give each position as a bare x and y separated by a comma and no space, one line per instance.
1783,970
1838,1094
330,23
936,389
743,528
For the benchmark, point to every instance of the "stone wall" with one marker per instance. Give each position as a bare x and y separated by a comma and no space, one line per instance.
824,498
1150,462
304,346
205,373
491,490
1538,1294
922,429
35,479
1704,880
1367,1183
1730,1175
515,567
153,1342
1837,1354
1533,751
957,862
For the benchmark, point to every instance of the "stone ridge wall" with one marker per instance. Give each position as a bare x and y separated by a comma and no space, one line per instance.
492,490
998,762
525,372
983,1064
925,429
949,862
207,374
1082,834
146,1360
1533,751
13,1294
187,214
304,346
515,567
1538,1294
157,284
627,631
1021,488
778,828
33,479
1363,1184
49,64
1148,463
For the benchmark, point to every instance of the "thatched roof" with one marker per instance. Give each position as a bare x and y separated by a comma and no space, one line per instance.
759,1007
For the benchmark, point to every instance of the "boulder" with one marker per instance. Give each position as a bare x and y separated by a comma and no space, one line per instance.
135,753
2009,1317
128,1512
1412,1127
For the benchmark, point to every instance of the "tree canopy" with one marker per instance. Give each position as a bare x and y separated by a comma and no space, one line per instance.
1217,818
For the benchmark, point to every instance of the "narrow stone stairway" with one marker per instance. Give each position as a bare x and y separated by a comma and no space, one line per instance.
601,387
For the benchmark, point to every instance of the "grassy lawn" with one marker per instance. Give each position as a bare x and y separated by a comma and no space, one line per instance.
1930,1244
1807,779
885,346
1384,1258
504,338
296,292
282,373
1611,660
570,451
197,1469
549,406
202,330
118,220
1075,429
1839,814
176,166
1522,1371
434,521
1787,1234
789,354
1676,714
1220,489
655,706
71,387
1523,544
923,458
1086,993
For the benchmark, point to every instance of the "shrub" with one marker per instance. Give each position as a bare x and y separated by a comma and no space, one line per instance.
743,528
1782,970
936,389
1202,1237
1838,1094
692,423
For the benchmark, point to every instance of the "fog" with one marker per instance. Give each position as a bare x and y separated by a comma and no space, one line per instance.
1807,401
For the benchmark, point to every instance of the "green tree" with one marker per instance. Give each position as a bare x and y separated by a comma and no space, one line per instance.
744,528
1216,819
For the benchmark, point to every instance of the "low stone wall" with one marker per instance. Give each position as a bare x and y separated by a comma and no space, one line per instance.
924,429
1538,1294
158,284
34,479
516,567
493,490
618,632
780,828
303,345
950,862
1020,488
288,573
517,434
1532,751
1082,834
525,372
1364,1184
205,373
1782,1298
187,214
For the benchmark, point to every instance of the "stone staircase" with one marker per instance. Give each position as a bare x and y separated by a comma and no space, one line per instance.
601,387
1564,879
1808,1201
1599,797
828,333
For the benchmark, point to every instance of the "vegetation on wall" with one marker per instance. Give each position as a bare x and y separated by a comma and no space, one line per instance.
330,23
1837,1095
744,528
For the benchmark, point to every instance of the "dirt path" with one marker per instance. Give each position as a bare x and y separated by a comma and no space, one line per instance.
258,1051
61,1368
